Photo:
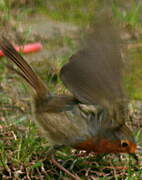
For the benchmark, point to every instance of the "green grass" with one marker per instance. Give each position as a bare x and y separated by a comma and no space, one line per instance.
24,154
23,149
77,11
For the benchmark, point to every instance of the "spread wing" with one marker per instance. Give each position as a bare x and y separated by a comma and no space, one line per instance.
94,74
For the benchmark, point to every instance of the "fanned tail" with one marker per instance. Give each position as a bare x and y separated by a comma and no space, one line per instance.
26,71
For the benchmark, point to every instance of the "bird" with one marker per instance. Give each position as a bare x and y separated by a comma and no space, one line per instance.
93,118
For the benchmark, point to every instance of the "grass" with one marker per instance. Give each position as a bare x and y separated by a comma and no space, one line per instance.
23,156
23,149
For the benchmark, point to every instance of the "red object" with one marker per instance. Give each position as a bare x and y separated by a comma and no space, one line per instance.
34,47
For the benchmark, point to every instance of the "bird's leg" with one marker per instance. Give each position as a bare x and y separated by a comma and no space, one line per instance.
51,155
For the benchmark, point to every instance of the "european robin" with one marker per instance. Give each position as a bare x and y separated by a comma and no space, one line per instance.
94,77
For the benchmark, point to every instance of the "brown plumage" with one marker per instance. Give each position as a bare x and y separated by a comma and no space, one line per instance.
94,76
96,70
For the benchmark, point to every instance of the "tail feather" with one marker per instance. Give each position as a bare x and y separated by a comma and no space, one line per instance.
26,71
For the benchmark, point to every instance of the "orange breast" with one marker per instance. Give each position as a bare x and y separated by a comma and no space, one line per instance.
105,146
87,145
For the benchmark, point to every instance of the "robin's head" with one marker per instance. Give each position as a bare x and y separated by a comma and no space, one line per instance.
118,140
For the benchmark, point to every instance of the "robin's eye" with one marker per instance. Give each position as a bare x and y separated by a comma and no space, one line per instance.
124,144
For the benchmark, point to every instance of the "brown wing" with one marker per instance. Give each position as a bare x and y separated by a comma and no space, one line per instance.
93,74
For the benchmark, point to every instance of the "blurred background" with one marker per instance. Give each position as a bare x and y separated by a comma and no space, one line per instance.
59,25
